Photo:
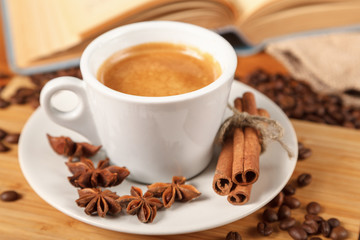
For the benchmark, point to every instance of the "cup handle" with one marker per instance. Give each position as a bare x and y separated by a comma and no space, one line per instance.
80,118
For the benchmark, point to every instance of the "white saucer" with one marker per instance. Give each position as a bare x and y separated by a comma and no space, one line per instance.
47,174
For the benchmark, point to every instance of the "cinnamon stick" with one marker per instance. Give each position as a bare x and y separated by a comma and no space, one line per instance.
222,183
262,112
252,147
240,195
238,158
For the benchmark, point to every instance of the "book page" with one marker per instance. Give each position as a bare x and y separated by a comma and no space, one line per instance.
84,16
306,18
250,6
37,29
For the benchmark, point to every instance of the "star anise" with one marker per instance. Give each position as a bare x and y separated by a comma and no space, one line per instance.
101,202
177,190
145,206
85,175
67,147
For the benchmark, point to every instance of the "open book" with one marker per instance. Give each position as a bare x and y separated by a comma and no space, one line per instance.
49,34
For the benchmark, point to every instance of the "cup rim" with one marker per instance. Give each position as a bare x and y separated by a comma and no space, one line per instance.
89,77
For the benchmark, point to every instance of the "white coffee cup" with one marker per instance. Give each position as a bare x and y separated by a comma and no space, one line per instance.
154,137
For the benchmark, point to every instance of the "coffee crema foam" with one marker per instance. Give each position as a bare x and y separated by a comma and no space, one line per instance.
159,69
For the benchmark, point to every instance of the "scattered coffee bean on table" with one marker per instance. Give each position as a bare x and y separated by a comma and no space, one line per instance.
310,226
12,138
9,196
313,223
270,215
3,134
264,228
287,223
325,228
333,222
31,96
289,190
304,179
292,202
233,236
314,217
4,103
3,147
304,152
313,208
297,233
284,212
338,233
298,100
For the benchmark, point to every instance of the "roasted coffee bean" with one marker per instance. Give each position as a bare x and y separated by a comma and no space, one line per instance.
233,236
4,103
270,215
313,208
299,100
315,238
324,228
12,138
314,217
304,179
264,228
304,153
289,190
3,134
22,95
333,222
277,201
292,202
310,226
287,223
338,233
9,196
284,212
297,233
3,147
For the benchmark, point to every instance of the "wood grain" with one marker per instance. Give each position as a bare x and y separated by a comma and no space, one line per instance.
334,165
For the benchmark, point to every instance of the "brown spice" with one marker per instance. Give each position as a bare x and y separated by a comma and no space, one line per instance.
222,182
252,148
4,103
101,202
12,138
3,134
238,150
177,190
240,194
85,175
67,147
144,206
4,148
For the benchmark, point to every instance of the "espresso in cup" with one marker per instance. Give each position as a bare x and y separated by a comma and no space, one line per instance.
158,69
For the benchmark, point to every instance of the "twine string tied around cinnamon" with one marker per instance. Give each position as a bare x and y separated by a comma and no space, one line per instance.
269,129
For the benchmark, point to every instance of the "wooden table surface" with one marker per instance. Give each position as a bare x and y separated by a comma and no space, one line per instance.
334,165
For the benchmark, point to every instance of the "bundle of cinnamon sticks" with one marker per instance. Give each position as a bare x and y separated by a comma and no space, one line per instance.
237,168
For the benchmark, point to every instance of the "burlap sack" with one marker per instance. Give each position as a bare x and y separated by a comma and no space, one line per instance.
329,62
